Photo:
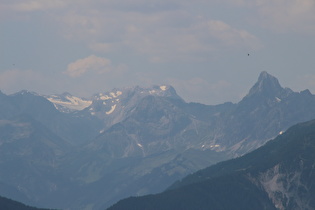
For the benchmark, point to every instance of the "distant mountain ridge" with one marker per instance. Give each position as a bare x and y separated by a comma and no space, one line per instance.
68,103
132,141
266,95
278,175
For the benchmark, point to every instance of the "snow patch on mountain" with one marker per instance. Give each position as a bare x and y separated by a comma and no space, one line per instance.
118,93
163,87
104,98
111,95
111,110
68,103
152,91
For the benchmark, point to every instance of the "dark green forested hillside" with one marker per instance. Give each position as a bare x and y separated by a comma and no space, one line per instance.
8,204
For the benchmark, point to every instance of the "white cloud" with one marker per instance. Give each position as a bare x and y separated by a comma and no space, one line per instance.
160,30
288,15
167,33
112,16
230,36
296,16
88,64
181,36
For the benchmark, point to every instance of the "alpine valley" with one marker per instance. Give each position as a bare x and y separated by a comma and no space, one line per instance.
67,152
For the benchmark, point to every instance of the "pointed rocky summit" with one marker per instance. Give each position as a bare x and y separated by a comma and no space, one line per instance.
266,85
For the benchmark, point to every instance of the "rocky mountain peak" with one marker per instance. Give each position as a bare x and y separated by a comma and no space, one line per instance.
266,85
306,92
155,90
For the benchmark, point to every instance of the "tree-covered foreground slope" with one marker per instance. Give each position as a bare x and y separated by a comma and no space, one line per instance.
279,175
8,204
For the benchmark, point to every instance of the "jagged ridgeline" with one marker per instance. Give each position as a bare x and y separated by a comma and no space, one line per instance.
67,152
279,175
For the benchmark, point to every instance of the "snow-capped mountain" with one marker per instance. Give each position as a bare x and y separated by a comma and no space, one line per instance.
106,103
114,106
68,103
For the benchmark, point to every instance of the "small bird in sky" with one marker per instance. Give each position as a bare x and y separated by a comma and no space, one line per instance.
247,54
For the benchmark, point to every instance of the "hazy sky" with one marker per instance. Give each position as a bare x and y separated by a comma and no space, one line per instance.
200,47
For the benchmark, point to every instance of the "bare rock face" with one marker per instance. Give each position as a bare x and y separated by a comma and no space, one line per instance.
286,190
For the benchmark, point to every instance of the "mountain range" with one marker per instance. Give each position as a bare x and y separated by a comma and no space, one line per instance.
67,152
278,175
